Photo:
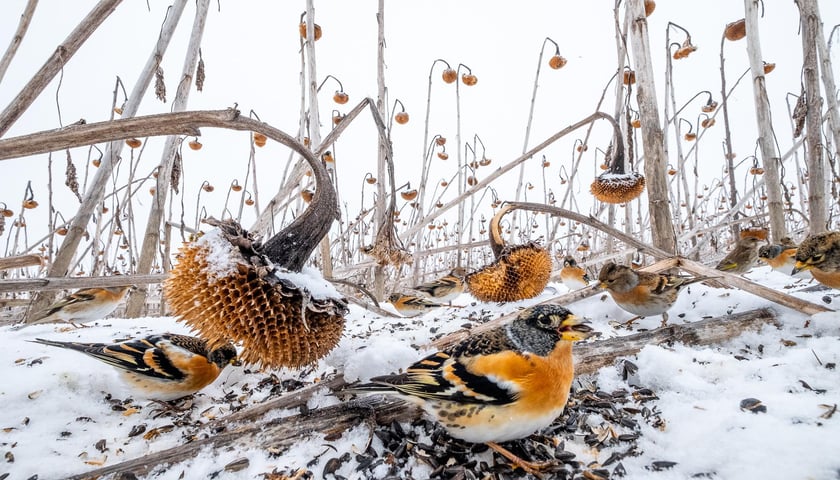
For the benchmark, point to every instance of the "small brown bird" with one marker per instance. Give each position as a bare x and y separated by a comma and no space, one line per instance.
444,289
160,367
781,257
643,293
499,385
82,305
742,258
572,275
820,255
411,305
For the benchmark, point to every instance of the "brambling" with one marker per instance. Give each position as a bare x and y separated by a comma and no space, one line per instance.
742,258
499,385
82,305
444,289
411,305
643,293
781,257
572,275
820,255
160,367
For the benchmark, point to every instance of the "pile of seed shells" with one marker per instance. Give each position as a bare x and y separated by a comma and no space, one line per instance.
601,420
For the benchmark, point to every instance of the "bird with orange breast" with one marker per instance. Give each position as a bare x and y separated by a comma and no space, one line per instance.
572,275
412,305
820,255
643,293
446,288
83,305
159,367
499,385
781,257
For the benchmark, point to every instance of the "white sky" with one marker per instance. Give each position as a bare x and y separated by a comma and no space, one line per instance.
251,55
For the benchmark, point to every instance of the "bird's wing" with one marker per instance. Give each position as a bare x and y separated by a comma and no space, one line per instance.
78,297
454,374
147,356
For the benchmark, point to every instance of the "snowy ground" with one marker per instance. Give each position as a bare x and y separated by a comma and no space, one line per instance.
65,414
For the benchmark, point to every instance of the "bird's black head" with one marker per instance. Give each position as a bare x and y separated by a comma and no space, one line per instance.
224,355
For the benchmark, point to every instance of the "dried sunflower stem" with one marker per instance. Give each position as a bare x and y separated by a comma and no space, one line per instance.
818,212
766,136
151,239
55,63
96,191
17,38
502,170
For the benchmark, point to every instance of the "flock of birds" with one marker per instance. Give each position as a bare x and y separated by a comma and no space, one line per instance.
495,386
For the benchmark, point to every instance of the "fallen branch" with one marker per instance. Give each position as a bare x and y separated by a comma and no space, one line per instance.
284,432
21,261
68,283
565,299
746,285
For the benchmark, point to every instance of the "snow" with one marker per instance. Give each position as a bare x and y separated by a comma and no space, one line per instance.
221,256
56,407
310,280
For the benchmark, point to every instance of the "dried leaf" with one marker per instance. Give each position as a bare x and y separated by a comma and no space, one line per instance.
800,111
175,177
199,73
160,87
70,178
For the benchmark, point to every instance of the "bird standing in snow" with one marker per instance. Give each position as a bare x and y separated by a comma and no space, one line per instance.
160,367
412,305
499,385
82,305
572,275
444,289
643,293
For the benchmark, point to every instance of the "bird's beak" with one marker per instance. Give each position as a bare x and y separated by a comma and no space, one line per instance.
602,285
801,267
574,328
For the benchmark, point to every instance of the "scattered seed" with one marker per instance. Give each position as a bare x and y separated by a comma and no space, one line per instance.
100,445
237,465
137,430
660,465
753,405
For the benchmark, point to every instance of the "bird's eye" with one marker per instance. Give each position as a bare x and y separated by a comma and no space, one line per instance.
817,258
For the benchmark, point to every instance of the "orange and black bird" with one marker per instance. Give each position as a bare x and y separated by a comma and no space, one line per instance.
643,293
572,275
82,305
742,258
412,305
162,366
444,289
820,255
499,385
780,256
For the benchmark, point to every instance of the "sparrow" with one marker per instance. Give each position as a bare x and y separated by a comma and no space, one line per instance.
82,306
572,275
444,289
411,305
781,257
820,255
643,293
499,385
162,366
742,258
